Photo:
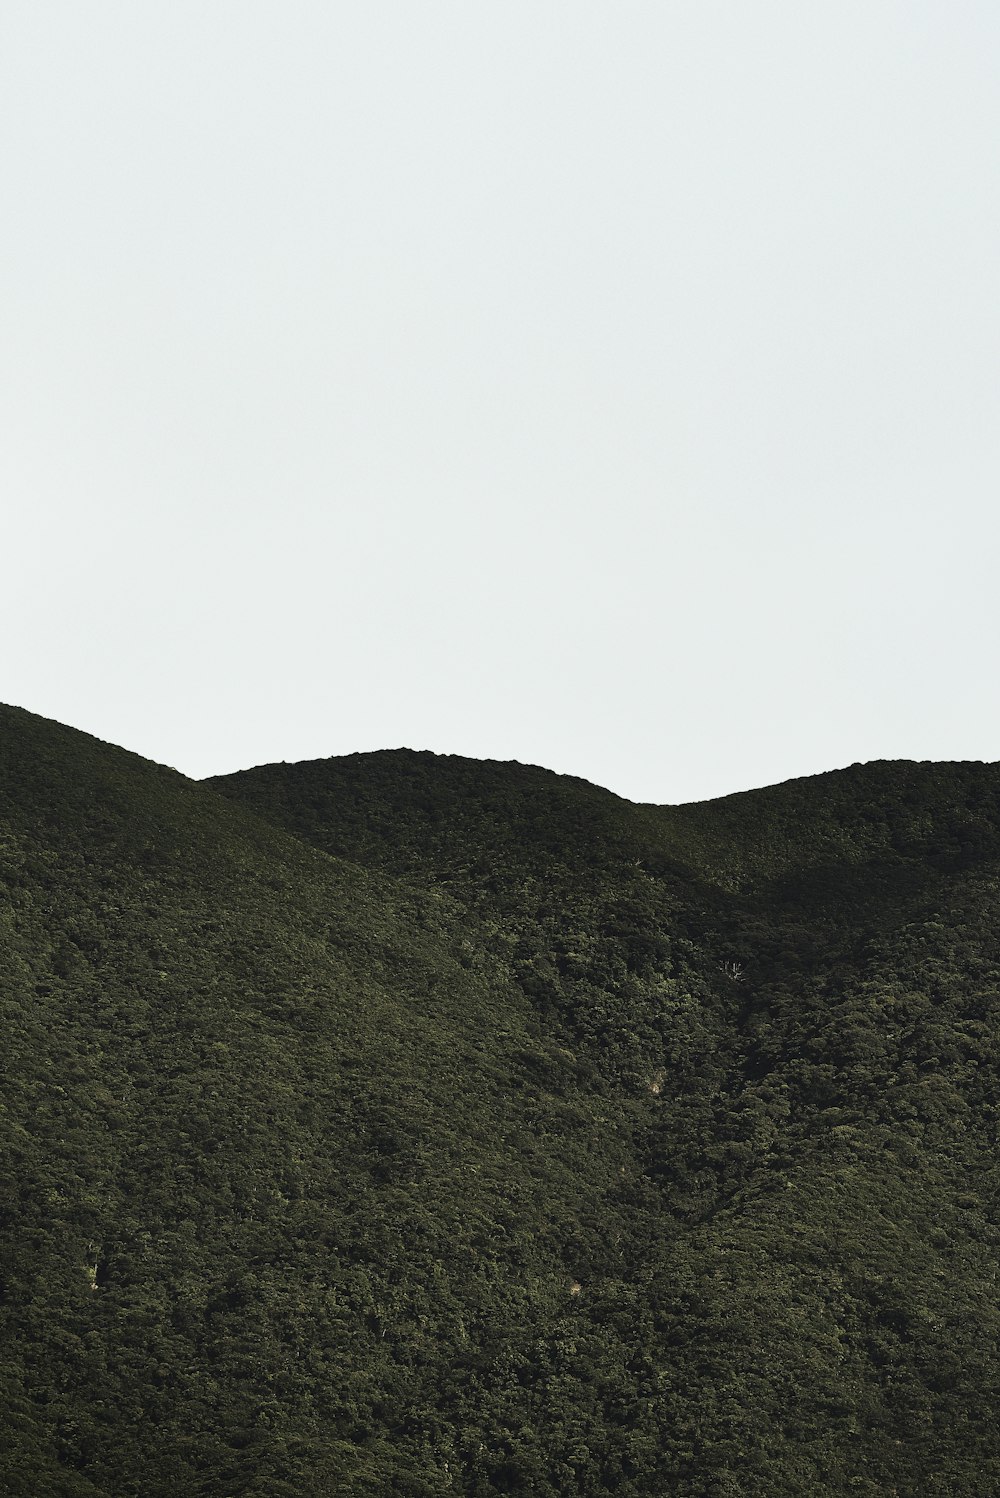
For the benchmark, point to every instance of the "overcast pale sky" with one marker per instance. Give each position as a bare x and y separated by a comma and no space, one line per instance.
612,387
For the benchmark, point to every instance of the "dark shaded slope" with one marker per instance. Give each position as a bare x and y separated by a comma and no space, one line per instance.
889,811
446,817
796,994
294,1192
409,810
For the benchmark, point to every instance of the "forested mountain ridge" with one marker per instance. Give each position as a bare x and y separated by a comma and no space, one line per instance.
409,1124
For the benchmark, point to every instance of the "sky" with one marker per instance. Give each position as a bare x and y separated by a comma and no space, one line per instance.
612,387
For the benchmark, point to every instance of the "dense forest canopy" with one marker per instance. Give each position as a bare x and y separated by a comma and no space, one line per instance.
405,1124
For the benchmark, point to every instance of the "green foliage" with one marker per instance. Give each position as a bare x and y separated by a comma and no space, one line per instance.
409,1125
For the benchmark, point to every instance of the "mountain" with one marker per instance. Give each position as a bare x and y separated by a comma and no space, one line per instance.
406,1124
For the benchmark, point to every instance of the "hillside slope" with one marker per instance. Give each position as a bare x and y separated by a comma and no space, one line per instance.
261,1164
806,981
402,1124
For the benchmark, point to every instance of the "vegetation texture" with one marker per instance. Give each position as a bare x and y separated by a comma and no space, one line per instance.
403,1124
